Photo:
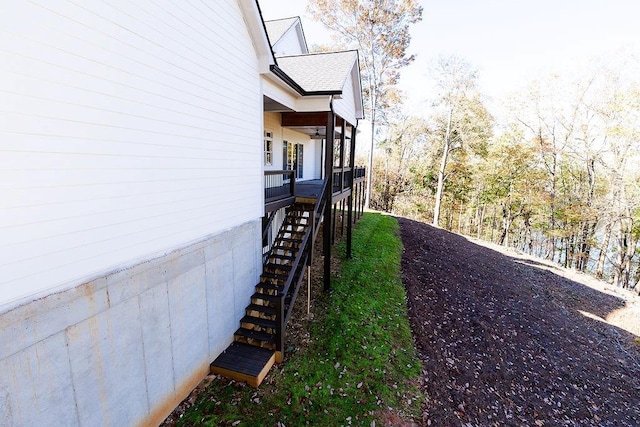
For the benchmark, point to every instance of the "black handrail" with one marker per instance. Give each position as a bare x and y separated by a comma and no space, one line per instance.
303,258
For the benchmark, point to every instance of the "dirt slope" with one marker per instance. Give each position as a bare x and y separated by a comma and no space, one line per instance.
506,340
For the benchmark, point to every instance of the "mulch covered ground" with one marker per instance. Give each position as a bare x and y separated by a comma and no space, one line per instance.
505,342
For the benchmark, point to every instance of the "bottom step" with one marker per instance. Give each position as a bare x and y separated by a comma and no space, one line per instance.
244,362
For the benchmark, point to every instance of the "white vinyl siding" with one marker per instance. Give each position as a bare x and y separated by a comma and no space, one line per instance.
290,43
345,106
125,130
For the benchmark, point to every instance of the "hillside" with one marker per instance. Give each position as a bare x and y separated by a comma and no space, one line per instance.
509,339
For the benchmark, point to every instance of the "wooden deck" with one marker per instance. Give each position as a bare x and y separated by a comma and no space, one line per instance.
308,189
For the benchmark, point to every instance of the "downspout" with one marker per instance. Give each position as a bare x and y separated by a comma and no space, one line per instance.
328,167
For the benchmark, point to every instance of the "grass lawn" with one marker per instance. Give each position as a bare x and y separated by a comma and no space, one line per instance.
360,364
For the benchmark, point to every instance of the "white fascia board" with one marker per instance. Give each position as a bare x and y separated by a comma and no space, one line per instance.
310,104
279,91
255,25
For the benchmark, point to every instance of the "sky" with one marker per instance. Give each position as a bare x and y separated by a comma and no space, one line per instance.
510,42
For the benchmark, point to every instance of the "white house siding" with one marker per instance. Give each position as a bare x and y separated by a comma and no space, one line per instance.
125,130
130,198
345,106
290,43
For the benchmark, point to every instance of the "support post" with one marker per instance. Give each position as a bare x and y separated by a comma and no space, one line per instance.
308,290
352,156
328,167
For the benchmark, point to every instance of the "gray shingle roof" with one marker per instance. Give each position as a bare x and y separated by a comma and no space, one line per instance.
321,71
277,28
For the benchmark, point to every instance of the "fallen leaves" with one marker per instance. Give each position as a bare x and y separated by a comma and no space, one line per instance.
503,343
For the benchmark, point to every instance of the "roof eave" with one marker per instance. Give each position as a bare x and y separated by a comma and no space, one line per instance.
278,72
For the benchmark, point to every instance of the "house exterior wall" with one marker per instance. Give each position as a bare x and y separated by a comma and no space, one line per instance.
126,348
130,204
123,124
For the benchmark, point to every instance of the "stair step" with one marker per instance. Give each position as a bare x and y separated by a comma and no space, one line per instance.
273,276
259,321
289,240
264,297
265,309
244,362
283,248
273,266
283,257
293,232
255,335
269,286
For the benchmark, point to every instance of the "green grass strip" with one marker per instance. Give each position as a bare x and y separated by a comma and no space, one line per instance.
360,364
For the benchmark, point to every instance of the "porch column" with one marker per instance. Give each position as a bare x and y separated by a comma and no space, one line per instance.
328,171
343,131
352,160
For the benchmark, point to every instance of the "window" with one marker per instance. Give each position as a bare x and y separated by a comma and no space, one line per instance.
268,148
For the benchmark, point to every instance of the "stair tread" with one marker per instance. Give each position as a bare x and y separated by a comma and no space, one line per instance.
300,233
289,240
265,323
269,285
261,308
283,248
287,257
274,266
269,275
260,336
265,297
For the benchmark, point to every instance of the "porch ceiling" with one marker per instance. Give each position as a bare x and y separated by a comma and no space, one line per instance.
312,124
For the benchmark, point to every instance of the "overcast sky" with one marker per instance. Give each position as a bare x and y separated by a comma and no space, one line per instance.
509,41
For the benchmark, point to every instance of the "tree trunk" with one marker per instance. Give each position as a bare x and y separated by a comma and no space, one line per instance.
480,222
443,165
506,224
604,249
528,239
367,193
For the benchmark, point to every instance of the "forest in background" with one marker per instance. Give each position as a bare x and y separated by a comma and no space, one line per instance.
554,173
553,170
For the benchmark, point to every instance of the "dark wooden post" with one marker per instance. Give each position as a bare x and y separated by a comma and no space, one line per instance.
328,168
352,157
343,139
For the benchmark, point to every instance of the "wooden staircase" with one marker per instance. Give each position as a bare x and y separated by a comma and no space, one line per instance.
259,341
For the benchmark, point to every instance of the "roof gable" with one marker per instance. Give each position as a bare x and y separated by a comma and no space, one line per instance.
286,36
320,72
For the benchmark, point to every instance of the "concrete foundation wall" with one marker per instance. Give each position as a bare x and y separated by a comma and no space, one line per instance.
126,348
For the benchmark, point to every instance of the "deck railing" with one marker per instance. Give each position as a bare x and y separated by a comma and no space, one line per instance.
279,188
343,178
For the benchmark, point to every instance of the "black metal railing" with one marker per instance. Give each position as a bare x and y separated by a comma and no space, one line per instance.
344,178
279,189
303,259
